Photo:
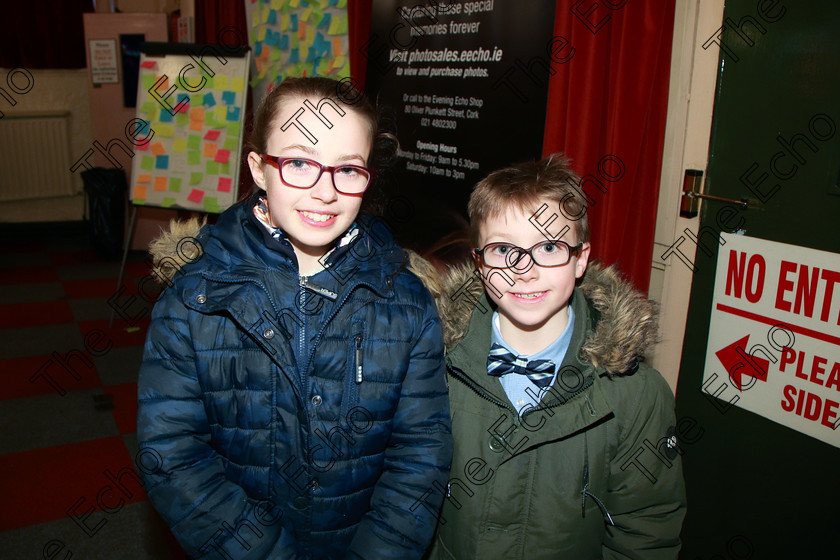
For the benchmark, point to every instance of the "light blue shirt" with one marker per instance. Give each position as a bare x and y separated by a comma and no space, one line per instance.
515,384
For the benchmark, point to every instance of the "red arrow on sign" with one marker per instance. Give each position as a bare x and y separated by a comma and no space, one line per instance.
733,357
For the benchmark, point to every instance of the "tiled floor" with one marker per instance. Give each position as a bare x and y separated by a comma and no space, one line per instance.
68,482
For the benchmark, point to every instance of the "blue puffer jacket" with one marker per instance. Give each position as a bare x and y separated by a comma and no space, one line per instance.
293,418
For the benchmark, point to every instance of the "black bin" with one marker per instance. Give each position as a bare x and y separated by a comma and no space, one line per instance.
106,191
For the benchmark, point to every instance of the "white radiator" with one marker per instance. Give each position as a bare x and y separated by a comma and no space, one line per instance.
35,156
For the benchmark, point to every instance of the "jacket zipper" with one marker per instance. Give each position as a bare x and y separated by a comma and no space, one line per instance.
358,361
302,284
473,386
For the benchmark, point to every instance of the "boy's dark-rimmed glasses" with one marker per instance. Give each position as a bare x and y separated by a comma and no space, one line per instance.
303,173
547,254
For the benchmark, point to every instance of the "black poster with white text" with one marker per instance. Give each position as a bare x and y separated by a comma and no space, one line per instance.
468,84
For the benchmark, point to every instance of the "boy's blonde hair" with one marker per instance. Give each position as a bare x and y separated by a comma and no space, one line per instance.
523,185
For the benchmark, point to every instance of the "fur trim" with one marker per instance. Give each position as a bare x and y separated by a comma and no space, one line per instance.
628,324
175,248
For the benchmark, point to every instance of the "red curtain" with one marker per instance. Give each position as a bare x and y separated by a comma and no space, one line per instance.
611,98
43,35
211,16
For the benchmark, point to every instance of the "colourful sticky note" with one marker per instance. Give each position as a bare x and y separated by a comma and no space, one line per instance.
229,97
144,146
211,204
221,82
165,130
196,194
272,17
194,142
162,162
160,183
148,163
233,129
231,144
325,21
233,113
293,26
224,168
336,46
182,119
168,201
193,157
139,193
148,64
212,168
144,178
220,113
165,116
208,118
197,125
276,4
209,101
158,149
237,84
211,135
197,114
195,177
179,146
175,184
183,98
209,150
262,32
222,156
224,184
148,81
282,43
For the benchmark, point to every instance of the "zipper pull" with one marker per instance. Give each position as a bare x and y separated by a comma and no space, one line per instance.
329,294
358,341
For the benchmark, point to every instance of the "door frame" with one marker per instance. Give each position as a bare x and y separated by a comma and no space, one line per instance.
691,96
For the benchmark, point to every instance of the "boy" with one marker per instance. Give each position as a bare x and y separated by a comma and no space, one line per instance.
564,441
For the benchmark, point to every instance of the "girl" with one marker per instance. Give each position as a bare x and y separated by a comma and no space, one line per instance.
293,384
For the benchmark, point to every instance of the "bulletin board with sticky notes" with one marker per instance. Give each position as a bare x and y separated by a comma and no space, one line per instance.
192,99
297,38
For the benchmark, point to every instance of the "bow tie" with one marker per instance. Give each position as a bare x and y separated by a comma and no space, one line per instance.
501,362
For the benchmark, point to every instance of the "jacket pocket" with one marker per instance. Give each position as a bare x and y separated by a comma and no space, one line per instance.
355,375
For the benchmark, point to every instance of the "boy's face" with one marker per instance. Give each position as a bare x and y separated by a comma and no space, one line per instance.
539,295
313,218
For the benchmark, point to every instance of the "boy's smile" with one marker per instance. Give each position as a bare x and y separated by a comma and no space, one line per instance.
532,311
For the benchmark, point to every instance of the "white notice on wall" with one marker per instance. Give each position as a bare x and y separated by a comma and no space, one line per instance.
103,61
774,335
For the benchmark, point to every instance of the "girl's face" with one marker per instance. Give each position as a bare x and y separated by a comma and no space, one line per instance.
313,218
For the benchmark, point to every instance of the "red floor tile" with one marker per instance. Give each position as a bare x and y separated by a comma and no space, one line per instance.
97,288
127,330
15,375
125,406
22,246
28,275
71,258
20,315
42,485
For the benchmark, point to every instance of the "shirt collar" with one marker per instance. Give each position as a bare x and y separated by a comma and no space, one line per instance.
555,351
261,214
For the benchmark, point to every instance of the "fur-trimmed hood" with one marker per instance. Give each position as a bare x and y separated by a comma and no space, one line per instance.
626,321
175,247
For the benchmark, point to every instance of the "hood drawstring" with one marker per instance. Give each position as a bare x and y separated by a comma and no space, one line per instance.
584,492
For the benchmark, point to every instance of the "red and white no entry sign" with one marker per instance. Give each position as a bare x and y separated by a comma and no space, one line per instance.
774,335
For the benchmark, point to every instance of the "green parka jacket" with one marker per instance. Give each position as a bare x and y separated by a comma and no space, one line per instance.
593,470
